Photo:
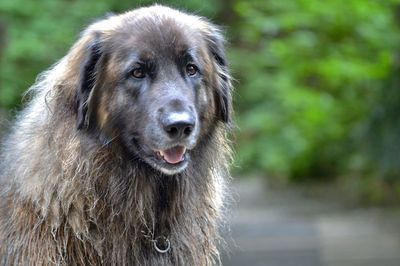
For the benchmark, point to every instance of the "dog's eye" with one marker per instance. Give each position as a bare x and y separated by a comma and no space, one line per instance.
191,69
138,73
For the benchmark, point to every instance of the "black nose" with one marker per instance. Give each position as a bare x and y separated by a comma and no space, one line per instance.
179,125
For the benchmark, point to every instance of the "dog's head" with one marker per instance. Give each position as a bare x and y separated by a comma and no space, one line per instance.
155,80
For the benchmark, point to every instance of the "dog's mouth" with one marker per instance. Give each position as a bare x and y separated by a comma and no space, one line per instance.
170,160
173,156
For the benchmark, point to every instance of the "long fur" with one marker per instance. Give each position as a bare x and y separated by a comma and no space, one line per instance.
69,199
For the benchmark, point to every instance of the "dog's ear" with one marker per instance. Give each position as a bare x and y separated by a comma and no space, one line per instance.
87,81
216,46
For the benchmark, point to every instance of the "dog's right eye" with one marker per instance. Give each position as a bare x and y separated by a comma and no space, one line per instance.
138,73
191,69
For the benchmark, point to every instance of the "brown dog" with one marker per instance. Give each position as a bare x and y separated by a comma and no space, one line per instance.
122,154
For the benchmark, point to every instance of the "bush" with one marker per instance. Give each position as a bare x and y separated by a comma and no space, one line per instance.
308,71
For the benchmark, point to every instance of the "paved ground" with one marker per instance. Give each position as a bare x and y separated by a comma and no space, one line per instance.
286,228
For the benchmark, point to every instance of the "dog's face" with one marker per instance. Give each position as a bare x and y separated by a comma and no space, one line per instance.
156,84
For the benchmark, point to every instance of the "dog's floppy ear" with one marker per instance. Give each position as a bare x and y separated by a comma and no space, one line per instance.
87,81
216,48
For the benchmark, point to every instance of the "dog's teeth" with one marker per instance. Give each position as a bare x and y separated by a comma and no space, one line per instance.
159,155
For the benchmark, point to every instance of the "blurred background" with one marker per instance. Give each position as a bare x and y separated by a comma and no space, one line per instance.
317,100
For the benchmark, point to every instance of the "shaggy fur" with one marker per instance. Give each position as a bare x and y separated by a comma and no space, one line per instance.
71,195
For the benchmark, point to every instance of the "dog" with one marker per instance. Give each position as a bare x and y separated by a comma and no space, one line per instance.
122,155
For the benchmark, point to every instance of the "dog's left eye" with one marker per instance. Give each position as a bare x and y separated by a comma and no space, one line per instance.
138,73
191,69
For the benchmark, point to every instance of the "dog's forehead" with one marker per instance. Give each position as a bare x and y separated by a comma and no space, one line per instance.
156,33
165,38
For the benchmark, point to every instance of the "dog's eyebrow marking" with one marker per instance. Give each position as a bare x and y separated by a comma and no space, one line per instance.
189,55
131,61
146,59
146,56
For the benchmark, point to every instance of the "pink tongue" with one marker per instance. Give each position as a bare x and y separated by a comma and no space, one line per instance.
174,155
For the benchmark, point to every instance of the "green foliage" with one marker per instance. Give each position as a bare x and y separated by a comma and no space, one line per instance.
382,131
307,70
